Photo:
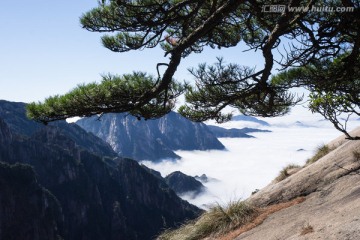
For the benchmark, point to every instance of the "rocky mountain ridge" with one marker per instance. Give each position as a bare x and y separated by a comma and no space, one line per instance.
152,140
234,132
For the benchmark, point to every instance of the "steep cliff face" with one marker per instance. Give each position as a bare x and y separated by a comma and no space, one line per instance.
101,197
182,134
153,139
27,210
129,137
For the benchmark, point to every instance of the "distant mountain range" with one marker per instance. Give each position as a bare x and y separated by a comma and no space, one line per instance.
234,132
60,182
152,140
249,119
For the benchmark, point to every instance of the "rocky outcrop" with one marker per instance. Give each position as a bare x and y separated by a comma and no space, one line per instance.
152,139
184,184
331,187
27,210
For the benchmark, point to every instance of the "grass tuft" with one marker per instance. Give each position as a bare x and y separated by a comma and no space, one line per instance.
320,152
284,173
218,220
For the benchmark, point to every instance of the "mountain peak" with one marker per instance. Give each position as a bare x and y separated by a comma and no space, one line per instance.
184,184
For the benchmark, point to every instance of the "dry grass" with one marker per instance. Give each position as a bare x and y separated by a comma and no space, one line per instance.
320,152
216,221
307,229
264,213
219,223
284,173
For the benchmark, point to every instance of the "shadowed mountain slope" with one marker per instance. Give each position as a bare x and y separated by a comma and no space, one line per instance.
101,196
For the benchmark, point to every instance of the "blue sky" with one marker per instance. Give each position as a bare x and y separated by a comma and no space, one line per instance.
44,51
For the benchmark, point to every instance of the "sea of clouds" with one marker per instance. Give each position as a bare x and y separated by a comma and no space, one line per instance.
248,164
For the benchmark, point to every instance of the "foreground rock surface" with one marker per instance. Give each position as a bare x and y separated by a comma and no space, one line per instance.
332,206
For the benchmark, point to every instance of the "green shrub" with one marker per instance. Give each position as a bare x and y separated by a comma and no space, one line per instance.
216,221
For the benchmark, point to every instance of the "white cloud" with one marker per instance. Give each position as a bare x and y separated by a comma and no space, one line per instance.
250,164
